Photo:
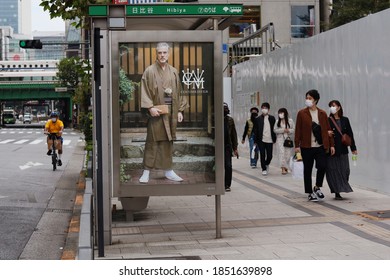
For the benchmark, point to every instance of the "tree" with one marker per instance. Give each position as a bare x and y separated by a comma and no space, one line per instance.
75,74
70,9
345,11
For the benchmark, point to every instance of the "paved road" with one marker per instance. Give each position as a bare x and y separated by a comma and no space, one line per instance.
27,187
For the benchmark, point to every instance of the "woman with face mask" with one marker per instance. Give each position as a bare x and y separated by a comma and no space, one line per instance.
337,173
314,143
284,128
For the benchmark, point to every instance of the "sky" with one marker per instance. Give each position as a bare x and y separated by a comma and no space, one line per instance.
41,19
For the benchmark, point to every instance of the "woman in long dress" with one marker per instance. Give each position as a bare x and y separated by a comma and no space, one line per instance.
337,173
283,128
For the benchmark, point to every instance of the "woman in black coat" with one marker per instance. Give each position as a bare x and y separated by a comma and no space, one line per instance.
337,173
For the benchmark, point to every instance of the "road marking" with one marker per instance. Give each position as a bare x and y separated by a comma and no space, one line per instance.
37,141
7,141
67,142
21,141
29,164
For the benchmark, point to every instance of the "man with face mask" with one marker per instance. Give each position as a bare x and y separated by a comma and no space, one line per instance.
313,142
54,125
248,132
265,136
230,143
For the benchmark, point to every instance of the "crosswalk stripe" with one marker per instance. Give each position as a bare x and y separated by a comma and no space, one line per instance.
7,141
37,141
21,141
33,142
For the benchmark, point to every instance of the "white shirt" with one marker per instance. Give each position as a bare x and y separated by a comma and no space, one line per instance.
267,138
314,118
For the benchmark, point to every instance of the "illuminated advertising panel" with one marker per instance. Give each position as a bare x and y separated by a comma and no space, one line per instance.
167,112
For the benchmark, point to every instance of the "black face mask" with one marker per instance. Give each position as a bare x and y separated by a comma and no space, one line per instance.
253,116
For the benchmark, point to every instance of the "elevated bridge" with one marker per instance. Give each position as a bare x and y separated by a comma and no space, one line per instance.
24,81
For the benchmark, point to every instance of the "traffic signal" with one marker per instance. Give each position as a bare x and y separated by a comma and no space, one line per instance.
30,44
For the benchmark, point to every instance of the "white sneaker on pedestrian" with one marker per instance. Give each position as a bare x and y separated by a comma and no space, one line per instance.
145,177
264,172
171,175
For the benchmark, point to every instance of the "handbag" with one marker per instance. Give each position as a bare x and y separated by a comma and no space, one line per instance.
288,143
345,138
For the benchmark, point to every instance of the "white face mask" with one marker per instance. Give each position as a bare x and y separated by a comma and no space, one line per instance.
53,119
281,115
333,110
309,103
264,111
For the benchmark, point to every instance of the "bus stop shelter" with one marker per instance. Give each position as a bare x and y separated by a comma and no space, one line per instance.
124,38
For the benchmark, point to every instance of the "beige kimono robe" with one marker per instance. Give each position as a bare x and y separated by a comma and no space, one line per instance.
161,130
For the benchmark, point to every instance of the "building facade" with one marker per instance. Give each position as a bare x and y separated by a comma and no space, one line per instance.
17,14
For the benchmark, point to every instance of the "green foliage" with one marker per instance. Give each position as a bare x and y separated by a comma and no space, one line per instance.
126,87
76,10
68,72
123,176
345,11
75,74
86,125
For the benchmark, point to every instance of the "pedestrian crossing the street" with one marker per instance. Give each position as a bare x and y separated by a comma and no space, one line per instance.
15,136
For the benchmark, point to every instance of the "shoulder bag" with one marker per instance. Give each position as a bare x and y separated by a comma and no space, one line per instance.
288,143
345,138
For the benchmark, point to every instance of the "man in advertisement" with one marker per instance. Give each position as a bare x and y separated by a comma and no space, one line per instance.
161,96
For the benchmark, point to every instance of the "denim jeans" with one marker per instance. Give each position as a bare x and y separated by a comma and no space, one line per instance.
253,161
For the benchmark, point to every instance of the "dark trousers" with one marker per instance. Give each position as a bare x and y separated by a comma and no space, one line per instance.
265,154
228,167
309,155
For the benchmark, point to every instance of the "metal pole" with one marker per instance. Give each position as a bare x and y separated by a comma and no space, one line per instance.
217,197
218,227
98,129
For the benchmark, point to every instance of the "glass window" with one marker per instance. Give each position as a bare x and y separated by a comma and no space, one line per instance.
302,21
249,20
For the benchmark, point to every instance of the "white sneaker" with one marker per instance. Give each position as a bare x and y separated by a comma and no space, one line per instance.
264,172
145,177
171,175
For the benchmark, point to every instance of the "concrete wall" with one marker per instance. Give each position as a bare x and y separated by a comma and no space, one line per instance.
351,64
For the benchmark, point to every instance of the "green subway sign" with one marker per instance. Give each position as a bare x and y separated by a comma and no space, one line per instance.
182,10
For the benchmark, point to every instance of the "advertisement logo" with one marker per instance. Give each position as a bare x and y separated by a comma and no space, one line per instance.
194,79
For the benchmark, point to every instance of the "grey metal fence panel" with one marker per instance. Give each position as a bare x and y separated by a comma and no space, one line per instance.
351,64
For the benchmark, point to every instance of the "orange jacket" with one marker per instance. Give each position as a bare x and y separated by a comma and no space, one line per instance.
303,129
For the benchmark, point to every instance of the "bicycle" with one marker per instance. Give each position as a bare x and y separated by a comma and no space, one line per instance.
54,157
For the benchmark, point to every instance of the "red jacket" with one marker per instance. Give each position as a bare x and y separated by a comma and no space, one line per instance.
303,129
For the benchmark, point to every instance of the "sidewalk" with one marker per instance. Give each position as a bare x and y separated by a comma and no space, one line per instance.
263,217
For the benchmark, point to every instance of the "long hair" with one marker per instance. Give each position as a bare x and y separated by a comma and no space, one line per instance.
284,111
336,102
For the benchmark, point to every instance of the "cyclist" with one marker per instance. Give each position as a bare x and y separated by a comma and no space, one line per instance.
54,125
